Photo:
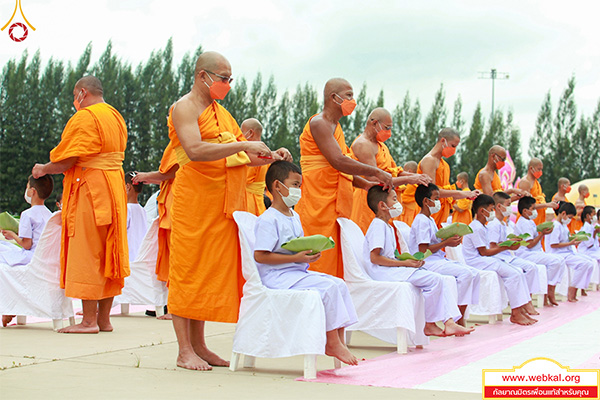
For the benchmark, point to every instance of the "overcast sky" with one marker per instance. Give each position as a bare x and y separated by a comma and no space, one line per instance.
391,45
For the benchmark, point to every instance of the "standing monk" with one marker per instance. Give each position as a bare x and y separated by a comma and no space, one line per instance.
437,169
576,224
564,187
255,182
94,258
369,148
487,179
329,173
530,184
205,277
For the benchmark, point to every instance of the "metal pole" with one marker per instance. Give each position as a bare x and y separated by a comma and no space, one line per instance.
493,75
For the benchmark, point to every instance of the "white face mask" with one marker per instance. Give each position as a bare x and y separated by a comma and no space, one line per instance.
27,198
293,197
437,206
566,221
506,212
594,220
491,216
533,215
396,210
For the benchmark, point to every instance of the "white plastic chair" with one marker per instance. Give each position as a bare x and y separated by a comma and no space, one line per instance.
34,289
274,323
141,286
390,311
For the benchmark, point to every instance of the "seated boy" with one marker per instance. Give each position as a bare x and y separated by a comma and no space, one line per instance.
497,233
478,254
422,238
136,216
462,207
380,244
558,243
591,247
283,269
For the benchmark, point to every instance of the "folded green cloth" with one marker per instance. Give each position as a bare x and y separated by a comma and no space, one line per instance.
457,228
417,256
8,222
545,225
317,243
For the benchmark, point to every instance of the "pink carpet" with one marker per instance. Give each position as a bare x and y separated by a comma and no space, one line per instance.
447,354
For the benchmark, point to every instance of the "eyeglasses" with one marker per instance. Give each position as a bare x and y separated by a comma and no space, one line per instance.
501,158
385,127
226,79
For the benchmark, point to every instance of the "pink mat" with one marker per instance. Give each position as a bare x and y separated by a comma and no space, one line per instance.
446,354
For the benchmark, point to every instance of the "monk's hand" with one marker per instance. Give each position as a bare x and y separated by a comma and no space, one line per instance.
258,148
284,154
38,170
473,194
385,178
139,177
305,257
419,179
553,205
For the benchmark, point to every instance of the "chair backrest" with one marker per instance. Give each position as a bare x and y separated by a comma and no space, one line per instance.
403,231
245,222
352,243
47,252
148,251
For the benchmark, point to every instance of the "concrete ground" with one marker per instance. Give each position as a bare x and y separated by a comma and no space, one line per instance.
137,361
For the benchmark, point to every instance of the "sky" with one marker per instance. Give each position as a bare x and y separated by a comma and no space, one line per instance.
397,46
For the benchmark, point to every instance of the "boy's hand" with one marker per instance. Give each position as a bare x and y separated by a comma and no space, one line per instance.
304,257
9,235
414,263
453,241
575,242
514,247
547,231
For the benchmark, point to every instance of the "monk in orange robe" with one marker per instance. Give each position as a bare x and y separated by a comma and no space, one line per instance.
255,181
205,275
487,179
94,256
329,173
369,148
437,169
530,184
564,187
576,223
462,208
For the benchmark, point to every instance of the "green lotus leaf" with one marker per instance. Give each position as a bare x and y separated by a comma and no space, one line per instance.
316,243
8,222
457,228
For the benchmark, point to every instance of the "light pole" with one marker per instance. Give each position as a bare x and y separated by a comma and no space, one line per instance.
493,75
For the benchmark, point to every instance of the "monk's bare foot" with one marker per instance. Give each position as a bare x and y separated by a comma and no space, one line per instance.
211,358
453,329
583,292
105,327
6,319
341,352
165,317
530,309
432,329
190,360
80,328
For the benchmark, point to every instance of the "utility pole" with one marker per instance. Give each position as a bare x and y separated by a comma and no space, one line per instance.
493,75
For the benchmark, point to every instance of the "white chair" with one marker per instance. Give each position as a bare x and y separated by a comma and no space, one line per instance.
390,311
141,286
274,323
34,289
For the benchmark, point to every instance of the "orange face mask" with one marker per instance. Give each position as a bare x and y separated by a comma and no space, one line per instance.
348,106
586,195
77,102
538,174
568,189
448,151
383,134
218,89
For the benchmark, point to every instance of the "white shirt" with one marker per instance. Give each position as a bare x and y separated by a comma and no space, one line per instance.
525,225
423,230
136,228
380,235
560,234
590,244
496,230
479,238
32,223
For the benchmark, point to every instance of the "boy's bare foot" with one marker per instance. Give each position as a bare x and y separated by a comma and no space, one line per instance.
573,300
341,352
6,319
453,329
583,292
520,319
165,317
530,309
552,300
533,320
211,358
190,360
80,328
432,329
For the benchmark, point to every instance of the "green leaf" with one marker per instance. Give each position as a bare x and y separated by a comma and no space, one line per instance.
457,228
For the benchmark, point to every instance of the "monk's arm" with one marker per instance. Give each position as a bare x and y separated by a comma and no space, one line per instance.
53,168
155,177
408,178
486,184
279,154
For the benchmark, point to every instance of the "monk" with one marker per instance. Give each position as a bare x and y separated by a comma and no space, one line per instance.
409,206
530,184
564,187
369,148
94,259
329,173
462,208
255,182
576,224
205,277
487,179
439,171
410,166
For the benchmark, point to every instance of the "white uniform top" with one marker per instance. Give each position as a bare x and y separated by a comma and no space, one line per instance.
479,238
497,233
380,235
31,225
136,228
423,230
560,234
525,225
592,243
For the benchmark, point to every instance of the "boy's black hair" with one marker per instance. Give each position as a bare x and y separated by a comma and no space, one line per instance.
424,192
44,185
586,211
500,196
525,203
129,179
567,207
483,200
375,195
279,171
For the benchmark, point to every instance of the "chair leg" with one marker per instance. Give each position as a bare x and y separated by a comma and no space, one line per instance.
337,364
310,366
249,361
21,320
348,337
492,319
401,341
125,309
539,300
235,360
57,324
160,311
500,317
71,320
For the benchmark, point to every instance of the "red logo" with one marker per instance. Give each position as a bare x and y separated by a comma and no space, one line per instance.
11,31
11,34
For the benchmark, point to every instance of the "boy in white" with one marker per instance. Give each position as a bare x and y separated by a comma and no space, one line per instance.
381,264
478,254
31,224
283,269
497,234
136,216
591,247
556,267
558,243
422,238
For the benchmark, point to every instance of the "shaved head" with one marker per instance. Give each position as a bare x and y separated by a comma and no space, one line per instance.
251,124
564,181
582,189
379,113
463,176
212,61
410,166
336,85
91,84
448,134
496,149
535,163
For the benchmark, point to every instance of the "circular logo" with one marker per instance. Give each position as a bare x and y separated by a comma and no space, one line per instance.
25,32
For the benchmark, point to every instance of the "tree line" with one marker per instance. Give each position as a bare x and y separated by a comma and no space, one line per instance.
36,103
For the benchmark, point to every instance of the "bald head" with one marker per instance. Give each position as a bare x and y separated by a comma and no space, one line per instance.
535,163
563,181
336,85
252,129
448,134
410,166
498,150
379,113
583,189
463,176
91,84
212,61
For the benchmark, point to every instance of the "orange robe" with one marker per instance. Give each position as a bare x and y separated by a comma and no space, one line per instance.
165,201
361,213
576,224
466,217
442,180
540,198
94,257
255,189
326,196
496,183
205,275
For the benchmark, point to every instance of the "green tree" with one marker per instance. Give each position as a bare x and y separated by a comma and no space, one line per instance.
472,156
